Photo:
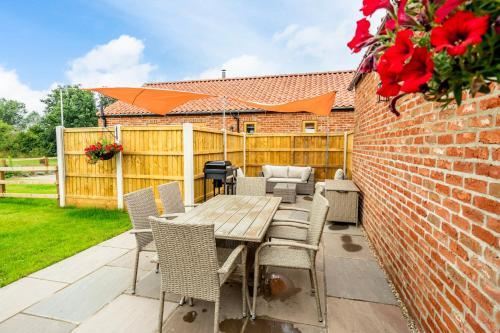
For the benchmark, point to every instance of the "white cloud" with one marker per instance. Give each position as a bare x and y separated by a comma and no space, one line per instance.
117,63
11,87
244,65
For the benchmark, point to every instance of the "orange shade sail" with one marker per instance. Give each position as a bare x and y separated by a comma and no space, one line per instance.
162,101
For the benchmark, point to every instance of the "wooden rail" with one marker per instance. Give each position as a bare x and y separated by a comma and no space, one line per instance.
3,181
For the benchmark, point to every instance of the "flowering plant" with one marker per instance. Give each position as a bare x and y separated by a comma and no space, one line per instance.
102,150
440,48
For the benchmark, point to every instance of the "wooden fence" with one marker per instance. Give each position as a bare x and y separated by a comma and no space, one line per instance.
19,181
154,155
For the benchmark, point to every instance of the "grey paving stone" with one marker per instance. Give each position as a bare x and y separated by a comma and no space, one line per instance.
23,323
75,267
347,246
23,293
126,314
128,260
83,298
364,317
357,279
122,241
149,286
343,228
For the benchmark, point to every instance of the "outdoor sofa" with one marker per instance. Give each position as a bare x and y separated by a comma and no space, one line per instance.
302,176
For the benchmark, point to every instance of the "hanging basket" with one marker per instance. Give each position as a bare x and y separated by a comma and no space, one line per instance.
102,151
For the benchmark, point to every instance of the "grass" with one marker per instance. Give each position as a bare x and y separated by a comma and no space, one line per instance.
11,163
28,188
36,233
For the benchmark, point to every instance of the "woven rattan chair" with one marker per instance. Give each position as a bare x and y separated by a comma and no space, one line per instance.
290,228
189,263
140,205
291,254
171,200
251,186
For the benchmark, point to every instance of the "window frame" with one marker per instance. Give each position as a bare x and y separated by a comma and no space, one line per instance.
246,123
305,122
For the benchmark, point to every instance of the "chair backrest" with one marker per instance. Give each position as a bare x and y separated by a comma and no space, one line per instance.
187,258
171,198
339,174
251,186
317,218
140,205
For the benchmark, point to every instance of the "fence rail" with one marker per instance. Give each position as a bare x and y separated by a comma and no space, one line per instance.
3,181
157,154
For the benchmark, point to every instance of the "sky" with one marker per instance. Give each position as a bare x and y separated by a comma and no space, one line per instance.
127,43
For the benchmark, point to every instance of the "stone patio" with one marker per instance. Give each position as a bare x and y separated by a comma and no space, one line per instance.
89,292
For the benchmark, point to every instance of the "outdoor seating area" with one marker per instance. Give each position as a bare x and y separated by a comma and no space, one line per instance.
265,266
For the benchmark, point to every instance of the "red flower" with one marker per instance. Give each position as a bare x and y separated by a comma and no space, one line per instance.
362,37
418,71
400,51
371,6
390,24
389,78
458,32
446,8
403,18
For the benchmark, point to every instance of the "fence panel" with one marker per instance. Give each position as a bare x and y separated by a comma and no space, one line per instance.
350,145
88,184
152,155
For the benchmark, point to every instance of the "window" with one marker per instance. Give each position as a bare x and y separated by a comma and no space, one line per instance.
309,126
250,128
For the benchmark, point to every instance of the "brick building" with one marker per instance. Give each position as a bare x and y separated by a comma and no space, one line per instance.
430,186
239,117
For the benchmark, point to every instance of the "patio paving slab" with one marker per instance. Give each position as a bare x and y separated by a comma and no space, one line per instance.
123,241
73,268
347,246
22,323
294,302
364,317
343,228
357,279
80,300
24,292
128,260
126,314
149,286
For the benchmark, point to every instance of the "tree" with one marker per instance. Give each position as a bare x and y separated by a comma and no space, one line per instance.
79,111
12,112
6,138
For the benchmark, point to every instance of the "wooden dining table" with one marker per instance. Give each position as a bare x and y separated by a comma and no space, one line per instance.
235,217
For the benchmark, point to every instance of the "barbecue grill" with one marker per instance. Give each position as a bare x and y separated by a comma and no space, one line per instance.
221,172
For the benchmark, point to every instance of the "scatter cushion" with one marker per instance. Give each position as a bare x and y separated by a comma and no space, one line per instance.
279,171
239,173
306,173
266,170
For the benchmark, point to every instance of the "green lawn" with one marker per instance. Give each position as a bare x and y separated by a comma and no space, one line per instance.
35,233
28,188
52,161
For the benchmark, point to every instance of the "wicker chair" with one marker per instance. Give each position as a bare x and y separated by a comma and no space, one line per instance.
251,186
292,254
140,205
194,271
171,200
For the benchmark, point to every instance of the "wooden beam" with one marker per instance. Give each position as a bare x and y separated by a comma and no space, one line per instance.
27,181
30,168
28,195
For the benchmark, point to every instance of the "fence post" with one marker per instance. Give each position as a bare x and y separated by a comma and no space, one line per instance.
224,136
119,168
61,172
187,137
345,153
245,153
3,163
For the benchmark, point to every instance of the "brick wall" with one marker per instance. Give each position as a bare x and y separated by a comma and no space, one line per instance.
271,122
430,188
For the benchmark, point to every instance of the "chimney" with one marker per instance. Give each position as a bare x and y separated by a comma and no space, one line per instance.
223,73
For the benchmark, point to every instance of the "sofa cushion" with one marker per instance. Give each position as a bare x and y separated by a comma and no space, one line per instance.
306,173
285,180
239,173
296,172
266,170
279,171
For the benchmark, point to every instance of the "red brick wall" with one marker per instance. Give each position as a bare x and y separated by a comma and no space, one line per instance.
430,188
270,122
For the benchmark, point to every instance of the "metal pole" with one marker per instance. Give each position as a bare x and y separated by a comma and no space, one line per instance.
224,105
62,107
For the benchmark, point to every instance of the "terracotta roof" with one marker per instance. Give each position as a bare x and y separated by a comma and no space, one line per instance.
264,89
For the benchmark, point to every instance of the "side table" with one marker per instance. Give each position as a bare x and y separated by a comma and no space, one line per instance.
287,192
343,196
